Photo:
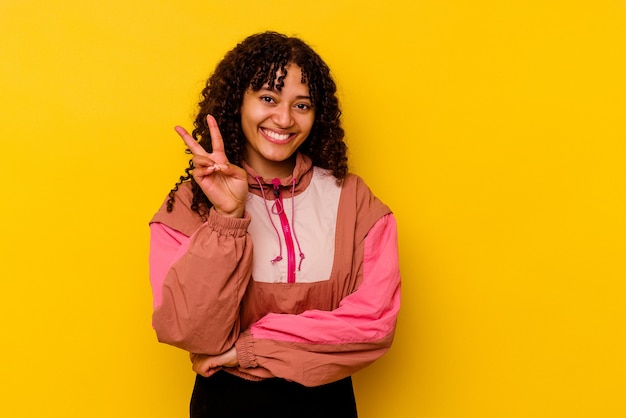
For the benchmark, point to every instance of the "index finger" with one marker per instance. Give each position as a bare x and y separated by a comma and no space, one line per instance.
194,147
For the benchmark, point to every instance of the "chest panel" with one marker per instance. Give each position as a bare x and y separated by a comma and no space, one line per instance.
312,217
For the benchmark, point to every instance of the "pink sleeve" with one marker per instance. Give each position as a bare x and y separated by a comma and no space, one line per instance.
318,347
166,246
198,283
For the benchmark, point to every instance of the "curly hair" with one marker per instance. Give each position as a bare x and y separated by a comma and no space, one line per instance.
252,64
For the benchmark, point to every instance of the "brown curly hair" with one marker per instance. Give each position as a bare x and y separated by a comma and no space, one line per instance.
250,65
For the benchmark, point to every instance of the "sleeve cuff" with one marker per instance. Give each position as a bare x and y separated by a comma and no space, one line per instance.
245,350
223,225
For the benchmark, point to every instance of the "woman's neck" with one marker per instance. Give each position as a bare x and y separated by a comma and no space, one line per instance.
273,169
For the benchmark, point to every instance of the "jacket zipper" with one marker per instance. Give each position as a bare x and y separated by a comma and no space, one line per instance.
284,223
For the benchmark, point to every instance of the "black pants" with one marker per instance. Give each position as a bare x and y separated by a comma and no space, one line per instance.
226,396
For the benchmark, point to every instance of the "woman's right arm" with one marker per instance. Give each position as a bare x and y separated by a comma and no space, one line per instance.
198,283
201,279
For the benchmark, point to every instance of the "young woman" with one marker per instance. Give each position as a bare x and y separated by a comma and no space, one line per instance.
270,264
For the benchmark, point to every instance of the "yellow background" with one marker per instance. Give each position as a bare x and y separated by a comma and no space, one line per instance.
494,129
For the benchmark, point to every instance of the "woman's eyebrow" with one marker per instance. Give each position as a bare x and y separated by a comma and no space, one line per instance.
274,90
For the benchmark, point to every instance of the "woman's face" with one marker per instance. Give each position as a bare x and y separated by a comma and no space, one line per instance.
276,123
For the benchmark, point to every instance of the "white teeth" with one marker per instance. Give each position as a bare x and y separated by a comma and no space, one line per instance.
276,135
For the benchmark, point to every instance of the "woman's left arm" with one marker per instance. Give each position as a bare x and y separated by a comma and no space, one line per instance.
318,347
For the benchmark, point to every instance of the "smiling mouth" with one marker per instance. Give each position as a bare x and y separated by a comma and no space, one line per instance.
275,135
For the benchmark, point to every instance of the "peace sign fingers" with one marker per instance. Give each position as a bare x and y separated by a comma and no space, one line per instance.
203,162
194,147
217,143
224,184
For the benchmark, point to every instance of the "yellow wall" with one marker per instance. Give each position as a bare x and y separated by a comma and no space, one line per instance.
495,129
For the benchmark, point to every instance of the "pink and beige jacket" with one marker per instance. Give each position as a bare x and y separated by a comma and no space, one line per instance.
306,285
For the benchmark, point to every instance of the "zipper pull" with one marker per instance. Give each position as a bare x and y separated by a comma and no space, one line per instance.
276,185
277,207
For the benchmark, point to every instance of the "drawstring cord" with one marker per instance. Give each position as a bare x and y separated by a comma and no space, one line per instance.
293,222
277,209
280,245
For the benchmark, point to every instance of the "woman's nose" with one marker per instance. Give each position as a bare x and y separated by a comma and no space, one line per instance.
282,116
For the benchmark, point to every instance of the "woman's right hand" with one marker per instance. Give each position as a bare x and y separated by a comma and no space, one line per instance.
225,184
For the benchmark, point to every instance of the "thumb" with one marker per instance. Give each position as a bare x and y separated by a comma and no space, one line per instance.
232,170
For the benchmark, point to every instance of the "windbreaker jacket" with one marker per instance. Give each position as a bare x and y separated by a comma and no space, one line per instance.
306,285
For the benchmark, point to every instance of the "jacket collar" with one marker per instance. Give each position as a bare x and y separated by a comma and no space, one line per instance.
301,175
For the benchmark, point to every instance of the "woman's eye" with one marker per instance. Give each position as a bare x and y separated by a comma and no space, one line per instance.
303,106
267,99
